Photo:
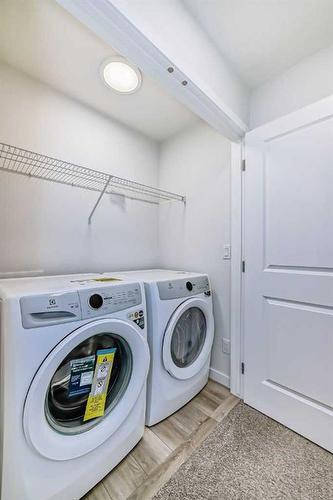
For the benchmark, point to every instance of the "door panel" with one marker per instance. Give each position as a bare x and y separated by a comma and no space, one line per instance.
294,192
288,284
299,358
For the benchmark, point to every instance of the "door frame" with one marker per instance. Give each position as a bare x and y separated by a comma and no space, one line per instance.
236,282
108,22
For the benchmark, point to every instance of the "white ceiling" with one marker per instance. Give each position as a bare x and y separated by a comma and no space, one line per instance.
43,40
259,38
263,38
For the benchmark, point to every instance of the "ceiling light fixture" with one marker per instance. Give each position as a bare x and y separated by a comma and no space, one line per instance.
120,75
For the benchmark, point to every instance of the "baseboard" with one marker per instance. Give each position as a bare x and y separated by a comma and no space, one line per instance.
219,377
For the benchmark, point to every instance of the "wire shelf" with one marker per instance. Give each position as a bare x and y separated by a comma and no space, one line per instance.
22,161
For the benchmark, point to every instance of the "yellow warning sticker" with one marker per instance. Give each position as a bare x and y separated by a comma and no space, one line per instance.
97,398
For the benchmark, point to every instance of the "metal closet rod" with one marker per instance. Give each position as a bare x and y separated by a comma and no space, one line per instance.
25,162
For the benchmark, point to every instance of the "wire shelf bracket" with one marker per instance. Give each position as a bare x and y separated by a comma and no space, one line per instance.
99,199
24,162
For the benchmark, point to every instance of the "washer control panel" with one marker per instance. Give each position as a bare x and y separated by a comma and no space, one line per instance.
110,299
137,317
175,289
50,309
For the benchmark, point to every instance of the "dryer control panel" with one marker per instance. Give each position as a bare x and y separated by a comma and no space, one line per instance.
110,299
176,289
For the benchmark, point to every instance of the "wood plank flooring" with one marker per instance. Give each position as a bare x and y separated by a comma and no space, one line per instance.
165,447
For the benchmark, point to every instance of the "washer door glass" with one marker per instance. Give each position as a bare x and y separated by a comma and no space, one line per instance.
188,337
65,411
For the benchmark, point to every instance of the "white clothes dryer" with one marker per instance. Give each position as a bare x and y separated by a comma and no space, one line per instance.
54,332
180,337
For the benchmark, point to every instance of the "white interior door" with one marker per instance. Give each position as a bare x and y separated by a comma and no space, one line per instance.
288,281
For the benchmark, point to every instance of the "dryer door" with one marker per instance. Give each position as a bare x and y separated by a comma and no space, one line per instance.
55,405
188,338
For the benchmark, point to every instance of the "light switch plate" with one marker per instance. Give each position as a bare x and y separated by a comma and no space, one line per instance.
226,345
227,252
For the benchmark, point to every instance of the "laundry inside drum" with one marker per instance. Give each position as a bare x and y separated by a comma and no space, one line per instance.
65,411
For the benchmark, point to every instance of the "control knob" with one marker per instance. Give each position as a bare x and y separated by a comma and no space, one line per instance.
96,301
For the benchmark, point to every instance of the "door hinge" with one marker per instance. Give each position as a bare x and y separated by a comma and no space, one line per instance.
242,368
243,266
243,165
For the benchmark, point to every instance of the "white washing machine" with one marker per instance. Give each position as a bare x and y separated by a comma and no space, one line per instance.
180,337
65,421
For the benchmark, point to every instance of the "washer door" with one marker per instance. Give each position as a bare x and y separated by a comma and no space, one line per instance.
53,417
188,339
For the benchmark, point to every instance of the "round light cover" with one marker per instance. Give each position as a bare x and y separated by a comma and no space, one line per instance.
120,75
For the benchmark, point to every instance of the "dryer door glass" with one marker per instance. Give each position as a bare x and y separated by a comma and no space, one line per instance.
65,407
188,337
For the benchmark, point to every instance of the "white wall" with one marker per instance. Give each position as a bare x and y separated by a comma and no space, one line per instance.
44,225
308,81
197,164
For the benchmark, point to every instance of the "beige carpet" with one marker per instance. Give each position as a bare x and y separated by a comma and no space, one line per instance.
250,456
